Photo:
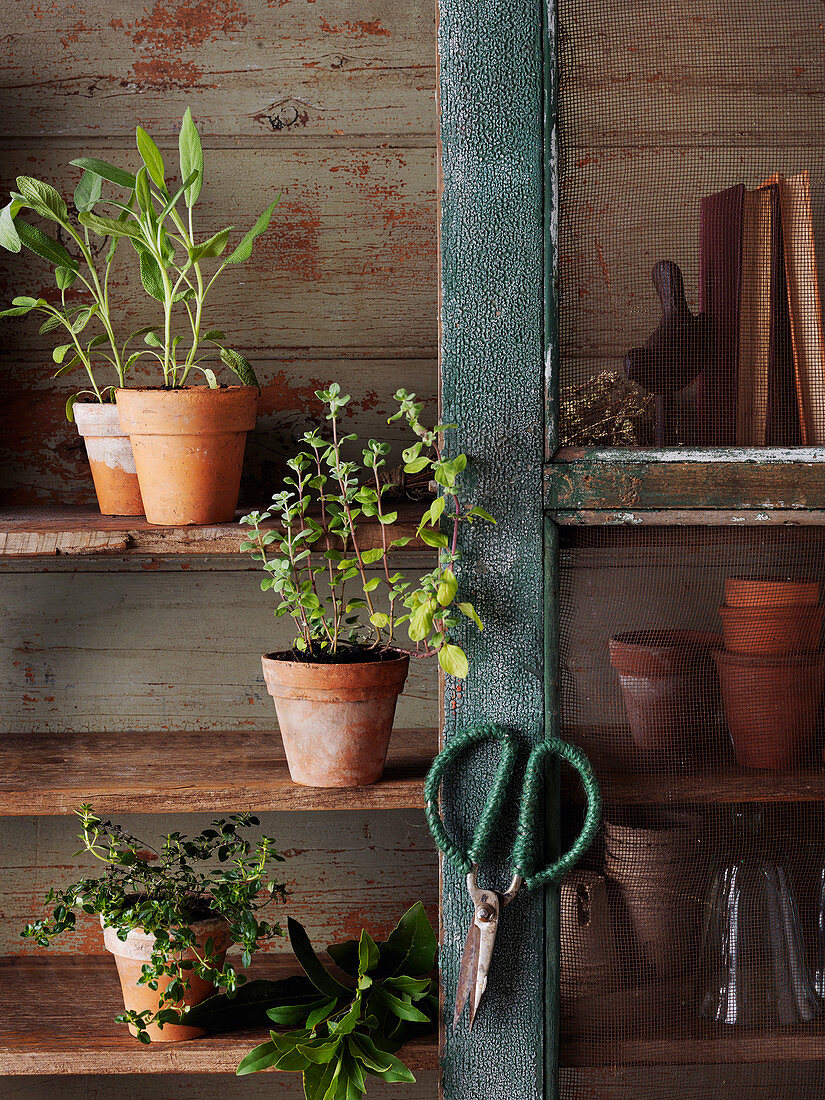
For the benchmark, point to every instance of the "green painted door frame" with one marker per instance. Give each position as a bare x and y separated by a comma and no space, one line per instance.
497,338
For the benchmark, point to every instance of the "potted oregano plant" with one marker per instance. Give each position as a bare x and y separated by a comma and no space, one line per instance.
188,440
169,914
83,325
336,689
338,1031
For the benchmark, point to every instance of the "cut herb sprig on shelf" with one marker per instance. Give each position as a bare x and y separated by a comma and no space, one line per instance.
219,872
318,547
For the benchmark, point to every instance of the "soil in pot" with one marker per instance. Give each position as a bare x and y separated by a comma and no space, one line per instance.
670,691
335,719
770,592
111,459
130,957
189,446
771,631
771,705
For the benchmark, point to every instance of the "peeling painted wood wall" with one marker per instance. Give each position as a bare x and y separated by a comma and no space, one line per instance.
661,104
333,105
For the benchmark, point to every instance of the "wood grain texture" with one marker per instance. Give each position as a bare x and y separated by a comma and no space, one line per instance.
345,870
253,71
492,366
48,1035
49,532
695,72
150,650
151,773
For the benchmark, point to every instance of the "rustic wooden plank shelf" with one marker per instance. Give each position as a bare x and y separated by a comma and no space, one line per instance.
736,479
46,1033
183,772
83,532
658,1026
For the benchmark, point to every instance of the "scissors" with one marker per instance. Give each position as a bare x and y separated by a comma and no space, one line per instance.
488,904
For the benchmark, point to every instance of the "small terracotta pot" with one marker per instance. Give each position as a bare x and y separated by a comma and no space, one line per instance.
588,950
335,719
136,950
189,446
770,592
771,631
669,688
771,705
654,867
110,458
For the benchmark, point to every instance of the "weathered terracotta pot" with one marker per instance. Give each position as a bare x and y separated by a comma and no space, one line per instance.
770,592
335,719
669,689
131,954
189,446
588,950
771,705
110,458
771,631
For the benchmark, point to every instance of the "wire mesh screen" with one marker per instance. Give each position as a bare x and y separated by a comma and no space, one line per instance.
692,187
692,674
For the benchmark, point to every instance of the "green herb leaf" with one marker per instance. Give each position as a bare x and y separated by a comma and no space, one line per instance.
398,1006
9,237
106,171
453,660
110,227
471,613
447,587
369,557
211,248
151,157
368,955
244,249
150,275
191,157
70,408
44,246
241,366
311,964
411,946
261,1057
64,277
42,198
432,538
88,191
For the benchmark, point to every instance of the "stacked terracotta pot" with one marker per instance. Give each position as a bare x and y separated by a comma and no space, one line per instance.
771,669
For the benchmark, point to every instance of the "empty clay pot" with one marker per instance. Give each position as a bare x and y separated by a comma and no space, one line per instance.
131,954
335,719
188,445
588,950
770,592
771,631
668,683
771,705
110,458
653,866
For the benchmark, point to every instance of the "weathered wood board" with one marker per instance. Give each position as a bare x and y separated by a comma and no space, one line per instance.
253,71
281,1086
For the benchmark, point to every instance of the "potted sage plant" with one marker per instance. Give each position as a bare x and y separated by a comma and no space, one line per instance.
169,915
188,440
336,689
83,325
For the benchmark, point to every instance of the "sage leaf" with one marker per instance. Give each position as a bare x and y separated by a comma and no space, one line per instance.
9,237
88,191
151,157
150,275
42,198
244,250
106,171
65,276
241,366
44,246
211,248
191,158
110,227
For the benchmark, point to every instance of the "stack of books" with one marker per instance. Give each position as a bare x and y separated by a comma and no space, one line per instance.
764,380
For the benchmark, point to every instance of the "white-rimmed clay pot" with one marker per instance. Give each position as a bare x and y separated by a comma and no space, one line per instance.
336,719
132,953
111,459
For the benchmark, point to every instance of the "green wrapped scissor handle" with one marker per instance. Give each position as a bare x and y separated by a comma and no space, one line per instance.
530,832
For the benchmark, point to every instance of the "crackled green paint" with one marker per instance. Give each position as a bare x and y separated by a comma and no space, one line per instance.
492,95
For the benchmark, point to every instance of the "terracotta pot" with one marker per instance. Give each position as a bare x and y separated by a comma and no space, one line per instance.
771,631
189,446
110,458
335,719
770,592
668,683
136,950
588,950
771,705
653,865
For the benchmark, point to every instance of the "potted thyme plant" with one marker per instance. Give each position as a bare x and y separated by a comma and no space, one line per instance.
169,915
336,689
84,327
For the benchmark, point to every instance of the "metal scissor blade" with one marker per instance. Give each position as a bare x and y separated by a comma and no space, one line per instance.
468,970
487,941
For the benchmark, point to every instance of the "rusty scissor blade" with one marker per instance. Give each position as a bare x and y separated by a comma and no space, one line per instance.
467,971
486,942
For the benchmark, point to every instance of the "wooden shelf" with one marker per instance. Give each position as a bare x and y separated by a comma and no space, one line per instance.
187,772
732,479
82,532
65,1024
660,1027
732,784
